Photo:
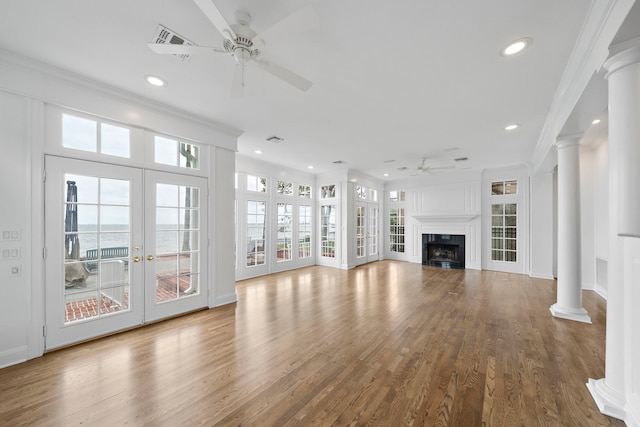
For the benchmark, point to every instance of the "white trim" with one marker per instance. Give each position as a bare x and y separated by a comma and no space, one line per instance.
601,24
443,217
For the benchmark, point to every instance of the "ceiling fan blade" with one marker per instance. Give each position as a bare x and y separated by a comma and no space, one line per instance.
237,86
182,49
286,75
211,11
435,168
300,20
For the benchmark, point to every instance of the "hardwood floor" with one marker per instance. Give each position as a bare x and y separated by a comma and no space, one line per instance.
388,343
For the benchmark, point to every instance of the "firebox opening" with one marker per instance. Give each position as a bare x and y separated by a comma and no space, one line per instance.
443,250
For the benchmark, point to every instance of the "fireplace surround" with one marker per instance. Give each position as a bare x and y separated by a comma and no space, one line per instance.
443,250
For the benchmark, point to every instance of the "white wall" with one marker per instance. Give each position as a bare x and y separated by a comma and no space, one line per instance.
446,203
601,214
587,218
15,219
223,288
542,225
25,88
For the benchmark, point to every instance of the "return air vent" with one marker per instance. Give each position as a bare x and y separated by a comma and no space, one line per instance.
275,139
165,35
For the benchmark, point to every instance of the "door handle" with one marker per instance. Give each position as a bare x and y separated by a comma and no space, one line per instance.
136,259
149,257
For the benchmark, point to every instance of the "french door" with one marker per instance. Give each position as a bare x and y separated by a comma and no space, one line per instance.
124,246
366,233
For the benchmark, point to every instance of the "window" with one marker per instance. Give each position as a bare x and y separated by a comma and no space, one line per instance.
361,232
285,232
328,191
256,183
361,192
256,232
328,230
285,188
95,136
504,187
396,196
504,232
304,191
396,230
168,151
304,232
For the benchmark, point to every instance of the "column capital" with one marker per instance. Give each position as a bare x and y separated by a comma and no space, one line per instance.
621,55
568,140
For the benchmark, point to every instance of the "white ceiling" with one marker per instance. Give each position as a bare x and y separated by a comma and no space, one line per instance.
393,80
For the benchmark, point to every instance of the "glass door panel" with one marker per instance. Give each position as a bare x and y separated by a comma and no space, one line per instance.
93,218
372,233
174,255
361,232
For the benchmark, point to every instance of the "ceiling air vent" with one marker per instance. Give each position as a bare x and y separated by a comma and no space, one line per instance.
461,159
339,162
275,139
165,35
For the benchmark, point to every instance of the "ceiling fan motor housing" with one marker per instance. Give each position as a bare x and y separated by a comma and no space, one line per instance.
242,46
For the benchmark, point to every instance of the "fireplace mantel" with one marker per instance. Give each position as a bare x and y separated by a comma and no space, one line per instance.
444,217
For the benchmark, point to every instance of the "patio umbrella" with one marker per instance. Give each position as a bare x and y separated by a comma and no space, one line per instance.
71,241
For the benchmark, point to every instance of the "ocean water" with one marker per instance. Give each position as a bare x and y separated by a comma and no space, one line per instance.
168,239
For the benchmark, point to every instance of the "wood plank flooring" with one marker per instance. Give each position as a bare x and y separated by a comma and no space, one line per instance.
388,344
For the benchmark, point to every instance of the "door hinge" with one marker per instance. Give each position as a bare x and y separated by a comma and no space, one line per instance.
44,175
44,253
44,330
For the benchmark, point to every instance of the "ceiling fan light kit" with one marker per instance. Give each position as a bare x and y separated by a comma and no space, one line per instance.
241,41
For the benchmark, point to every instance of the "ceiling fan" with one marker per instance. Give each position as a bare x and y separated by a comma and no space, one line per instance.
243,43
424,168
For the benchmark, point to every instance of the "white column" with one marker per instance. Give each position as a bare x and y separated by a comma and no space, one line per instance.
569,303
614,393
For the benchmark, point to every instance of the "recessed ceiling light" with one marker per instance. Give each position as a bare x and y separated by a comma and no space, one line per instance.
515,47
258,151
155,80
595,122
511,127
310,167
386,174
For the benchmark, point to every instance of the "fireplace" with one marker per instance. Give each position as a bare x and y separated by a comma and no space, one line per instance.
443,250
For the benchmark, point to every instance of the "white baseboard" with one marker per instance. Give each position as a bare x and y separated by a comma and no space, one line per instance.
545,276
602,291
224,300
13,356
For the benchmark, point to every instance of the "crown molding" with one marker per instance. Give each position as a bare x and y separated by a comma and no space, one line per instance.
604,19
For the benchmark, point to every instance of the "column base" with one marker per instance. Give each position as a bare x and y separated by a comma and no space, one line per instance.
577,314
609,401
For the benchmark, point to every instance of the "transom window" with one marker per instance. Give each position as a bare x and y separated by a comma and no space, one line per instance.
504,187
365,193
327,191
285,188
397,196
256,183
173,152
304,191
95,136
